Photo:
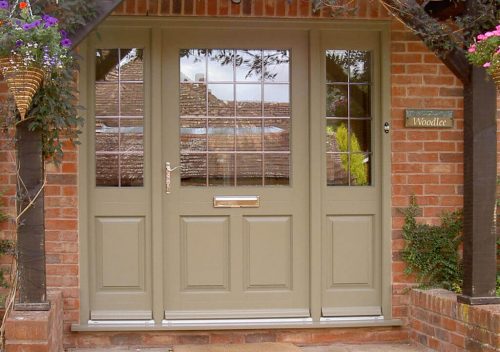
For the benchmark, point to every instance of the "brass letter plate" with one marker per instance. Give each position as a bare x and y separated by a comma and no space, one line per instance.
236,201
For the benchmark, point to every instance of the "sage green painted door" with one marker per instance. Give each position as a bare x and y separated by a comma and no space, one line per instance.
351,176
235,122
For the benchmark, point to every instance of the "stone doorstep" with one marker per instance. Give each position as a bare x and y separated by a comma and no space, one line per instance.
331,348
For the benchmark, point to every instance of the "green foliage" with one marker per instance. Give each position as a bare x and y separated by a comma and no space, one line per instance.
6,247
432,252
358,167
486,51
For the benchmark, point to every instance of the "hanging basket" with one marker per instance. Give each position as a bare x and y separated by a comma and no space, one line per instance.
23,82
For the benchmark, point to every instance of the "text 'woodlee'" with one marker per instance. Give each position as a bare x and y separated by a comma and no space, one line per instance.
417,118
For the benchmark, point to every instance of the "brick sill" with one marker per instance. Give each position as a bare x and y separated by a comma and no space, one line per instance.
249,325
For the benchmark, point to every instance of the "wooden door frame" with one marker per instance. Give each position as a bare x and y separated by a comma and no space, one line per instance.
314,28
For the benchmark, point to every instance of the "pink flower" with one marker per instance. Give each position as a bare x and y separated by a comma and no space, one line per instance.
481,37
488,64
498,27
472,49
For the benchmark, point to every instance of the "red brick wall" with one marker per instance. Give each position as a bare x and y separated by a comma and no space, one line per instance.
427,163
439,322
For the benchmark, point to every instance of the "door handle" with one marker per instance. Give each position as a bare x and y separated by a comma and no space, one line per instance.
168,178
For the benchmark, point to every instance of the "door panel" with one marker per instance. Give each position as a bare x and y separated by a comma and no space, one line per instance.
352,182
230,126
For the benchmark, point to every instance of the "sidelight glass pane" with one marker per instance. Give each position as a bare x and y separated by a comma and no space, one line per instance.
360,66
248,134
337,66
107,62
119,127
132,99
193,135
194,169
277,135
360,100
131,65
107,97
131,170
221,169
360,135
107,170
249,169
337,101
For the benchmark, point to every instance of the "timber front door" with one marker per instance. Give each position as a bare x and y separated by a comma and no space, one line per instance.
204,167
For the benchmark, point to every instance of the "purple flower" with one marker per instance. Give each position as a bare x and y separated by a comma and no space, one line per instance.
19,43
49,21
64,34
4,4
27,26
66,42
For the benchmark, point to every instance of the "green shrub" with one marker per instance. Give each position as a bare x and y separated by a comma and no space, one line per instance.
432,251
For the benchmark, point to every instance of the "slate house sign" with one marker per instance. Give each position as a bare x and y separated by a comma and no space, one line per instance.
427,118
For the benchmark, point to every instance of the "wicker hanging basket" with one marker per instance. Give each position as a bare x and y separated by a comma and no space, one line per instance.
23,82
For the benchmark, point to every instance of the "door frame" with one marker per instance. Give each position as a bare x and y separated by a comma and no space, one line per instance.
314,28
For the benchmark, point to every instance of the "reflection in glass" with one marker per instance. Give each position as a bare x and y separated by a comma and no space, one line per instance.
193,66
221,134
221,169
131,65
360,169
248,134
249,169
360,100
277,65
119,141
193,169
248,65
192,100
336,170
106,68
249,100
193,135
106,135
337,66
132,99
336,101
276,100
106,99
336,136
277,135
277,169
131,135
106,170
220,100
235,117
131,166
361,135
220,66
359,69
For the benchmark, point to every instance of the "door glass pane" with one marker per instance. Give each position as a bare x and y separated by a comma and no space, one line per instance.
348,114
119,120
241,133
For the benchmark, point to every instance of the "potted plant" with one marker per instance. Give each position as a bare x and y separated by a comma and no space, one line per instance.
31,48
485,52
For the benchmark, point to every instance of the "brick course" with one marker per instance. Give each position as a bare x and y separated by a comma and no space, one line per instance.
439,322
427,163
